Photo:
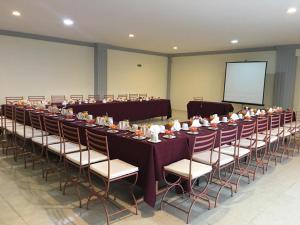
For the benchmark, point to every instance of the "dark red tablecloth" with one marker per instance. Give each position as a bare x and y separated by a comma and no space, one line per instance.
131,110
205,109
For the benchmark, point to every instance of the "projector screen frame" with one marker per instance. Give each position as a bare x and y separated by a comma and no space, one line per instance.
246,103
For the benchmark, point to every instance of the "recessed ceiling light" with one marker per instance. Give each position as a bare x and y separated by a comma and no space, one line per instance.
235,41
175,47
291,10
68,22
131,35
16,13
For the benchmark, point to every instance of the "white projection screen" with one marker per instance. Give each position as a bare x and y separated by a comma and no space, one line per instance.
245,82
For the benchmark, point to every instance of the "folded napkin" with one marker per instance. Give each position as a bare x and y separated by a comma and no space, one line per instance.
215,120
234,116
247,114
64,103
176,126
104,101
270,110
155,129
258,112
196,123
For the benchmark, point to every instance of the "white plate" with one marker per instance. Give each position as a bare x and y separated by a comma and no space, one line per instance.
247,120
232,124
190,132
139,137
113,131
149,140
169,136
213,128
206,125
70,120
185,129
90,125
51,115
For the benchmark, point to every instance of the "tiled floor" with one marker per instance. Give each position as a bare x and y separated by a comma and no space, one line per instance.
25,198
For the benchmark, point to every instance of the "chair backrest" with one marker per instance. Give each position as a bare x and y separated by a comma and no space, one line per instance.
143,95
76,97
21,118
198,98
52,127
247,133
36,99
109,97
97,142
275,121
9,113
205,143
262,125
288,118
71,134
13,100
36,124
123,96
96,97
133,96
228,137
57,98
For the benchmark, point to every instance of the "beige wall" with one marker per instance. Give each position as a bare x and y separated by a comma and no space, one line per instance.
33,67
297,86
124,76
204,76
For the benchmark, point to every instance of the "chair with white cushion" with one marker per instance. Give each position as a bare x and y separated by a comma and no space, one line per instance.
24,133
8,128
286,135
109,171
76,97
13,100
261,137
53,145
77,158
37,124
190,171
34,100
244,146
221,162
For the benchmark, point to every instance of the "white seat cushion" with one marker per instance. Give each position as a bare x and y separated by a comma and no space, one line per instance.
274,132
229,150
260,137
52,139
182,168
94,157
118,168
29,133
69,147
204,157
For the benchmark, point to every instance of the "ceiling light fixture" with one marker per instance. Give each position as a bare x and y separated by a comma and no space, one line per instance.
235,41
16,13
291,10
175,47
68,22
131,35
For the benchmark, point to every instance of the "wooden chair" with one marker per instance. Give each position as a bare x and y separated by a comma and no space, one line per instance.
133,97
198,98
109,171
190,171
123,96
109,97
36,99
96,97
221,162
55,99
76,97
13,100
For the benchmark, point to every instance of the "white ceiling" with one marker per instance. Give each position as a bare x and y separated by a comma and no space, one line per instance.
192,25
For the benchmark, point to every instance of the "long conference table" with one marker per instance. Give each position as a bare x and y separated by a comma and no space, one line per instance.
131,110
206,108
150,158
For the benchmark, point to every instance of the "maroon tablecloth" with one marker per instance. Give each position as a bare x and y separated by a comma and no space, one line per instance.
205,108
131,110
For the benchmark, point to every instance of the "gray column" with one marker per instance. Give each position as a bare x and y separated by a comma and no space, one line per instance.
169,73
285,77
100,70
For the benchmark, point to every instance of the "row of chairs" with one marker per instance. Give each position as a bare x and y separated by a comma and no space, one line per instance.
61,98
237,156
64,144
